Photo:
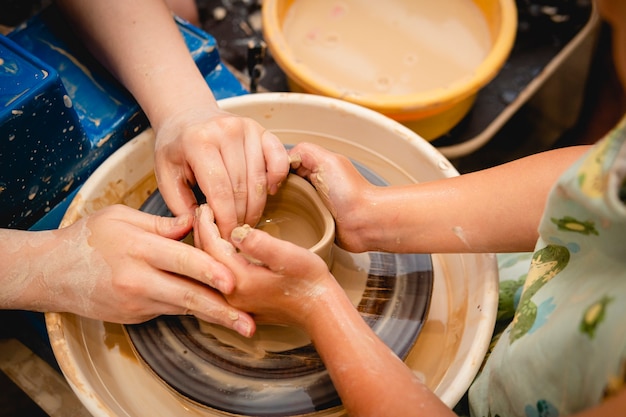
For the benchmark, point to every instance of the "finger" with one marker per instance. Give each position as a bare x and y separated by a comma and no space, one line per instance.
215,182
277,255
241,322
180,296
316,164
172,255
175,189
256,175
204,227
208,238
169,227
276,161
306,158
186,260
192,262
236,159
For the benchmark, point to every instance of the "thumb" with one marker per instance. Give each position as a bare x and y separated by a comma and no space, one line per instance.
175,190
171,227
277,255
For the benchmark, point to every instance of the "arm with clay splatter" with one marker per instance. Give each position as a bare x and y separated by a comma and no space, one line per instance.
493,210
299,290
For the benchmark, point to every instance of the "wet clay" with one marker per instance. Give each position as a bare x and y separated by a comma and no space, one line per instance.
285,224
394,47
267,338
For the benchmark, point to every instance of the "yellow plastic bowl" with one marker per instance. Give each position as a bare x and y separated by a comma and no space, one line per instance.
430,113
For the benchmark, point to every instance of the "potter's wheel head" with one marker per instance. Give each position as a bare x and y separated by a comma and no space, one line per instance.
216,374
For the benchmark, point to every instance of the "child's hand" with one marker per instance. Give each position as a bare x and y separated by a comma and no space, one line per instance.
345,192
277,281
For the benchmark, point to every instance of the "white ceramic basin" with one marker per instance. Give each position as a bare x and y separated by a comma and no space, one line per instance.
96,357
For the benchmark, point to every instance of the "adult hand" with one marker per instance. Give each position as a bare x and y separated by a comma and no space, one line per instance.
233,159
345,192
119,265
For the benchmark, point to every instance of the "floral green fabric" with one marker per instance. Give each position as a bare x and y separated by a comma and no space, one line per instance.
564,346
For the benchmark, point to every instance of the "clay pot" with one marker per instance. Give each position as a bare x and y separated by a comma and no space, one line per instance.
297,214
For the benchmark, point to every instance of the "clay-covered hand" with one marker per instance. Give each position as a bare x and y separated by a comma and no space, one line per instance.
118,265
234,160
345,192
276,280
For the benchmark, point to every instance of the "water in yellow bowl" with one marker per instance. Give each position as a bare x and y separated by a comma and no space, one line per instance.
392,47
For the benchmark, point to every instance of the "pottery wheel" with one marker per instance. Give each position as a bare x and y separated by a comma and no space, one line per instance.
218,375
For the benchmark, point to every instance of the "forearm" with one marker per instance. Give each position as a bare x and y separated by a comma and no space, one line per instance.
494,210
139,42
369,377
33,266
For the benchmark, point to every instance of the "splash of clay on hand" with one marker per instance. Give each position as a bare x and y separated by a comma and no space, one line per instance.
295,160
239,233
324,190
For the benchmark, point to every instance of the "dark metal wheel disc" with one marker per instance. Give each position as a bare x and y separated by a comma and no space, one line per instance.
208,372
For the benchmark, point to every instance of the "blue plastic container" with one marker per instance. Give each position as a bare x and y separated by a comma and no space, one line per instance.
62,114
41,138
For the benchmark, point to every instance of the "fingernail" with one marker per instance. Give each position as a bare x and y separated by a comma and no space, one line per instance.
204,210
295,159
209,278
198,212
239,233
275,188
242,327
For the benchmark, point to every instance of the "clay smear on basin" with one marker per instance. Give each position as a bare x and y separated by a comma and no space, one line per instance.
393,47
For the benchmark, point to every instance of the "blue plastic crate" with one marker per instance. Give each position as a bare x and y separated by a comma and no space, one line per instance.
63,114
42,142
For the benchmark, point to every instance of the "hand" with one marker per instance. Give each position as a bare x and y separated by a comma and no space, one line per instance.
343,189
125,266
233,159
291,285
278,281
